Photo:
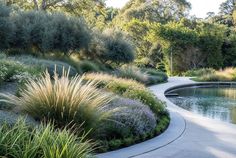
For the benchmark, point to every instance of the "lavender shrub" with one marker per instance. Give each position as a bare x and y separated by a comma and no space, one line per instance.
132,116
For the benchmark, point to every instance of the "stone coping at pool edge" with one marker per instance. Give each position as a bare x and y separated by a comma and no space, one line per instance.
187,132
199,84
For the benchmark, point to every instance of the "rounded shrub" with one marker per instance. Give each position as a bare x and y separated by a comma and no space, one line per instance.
43,32
111,46
133,117
146,98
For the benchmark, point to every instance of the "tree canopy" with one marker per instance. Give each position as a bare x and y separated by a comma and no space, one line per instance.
148,32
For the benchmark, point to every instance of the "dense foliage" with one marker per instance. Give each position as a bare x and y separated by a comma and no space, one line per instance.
21,140
165,10
111,46
190,48
168,40
45,33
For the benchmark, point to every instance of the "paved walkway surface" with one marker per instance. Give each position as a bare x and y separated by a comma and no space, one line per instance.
188,135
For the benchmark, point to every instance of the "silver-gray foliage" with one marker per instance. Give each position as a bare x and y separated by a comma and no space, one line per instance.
132,115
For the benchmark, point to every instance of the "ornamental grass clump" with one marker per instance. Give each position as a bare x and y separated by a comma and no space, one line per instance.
227,74
106,79
63,101
131,72
23,141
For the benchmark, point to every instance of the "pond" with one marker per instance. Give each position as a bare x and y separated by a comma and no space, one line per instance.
216,102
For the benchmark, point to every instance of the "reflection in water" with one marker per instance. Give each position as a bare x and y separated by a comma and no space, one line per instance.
213,102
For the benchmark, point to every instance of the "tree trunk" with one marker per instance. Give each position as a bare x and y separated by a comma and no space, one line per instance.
44,5
36,6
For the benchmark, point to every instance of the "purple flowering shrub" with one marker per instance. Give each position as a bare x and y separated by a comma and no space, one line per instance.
131,117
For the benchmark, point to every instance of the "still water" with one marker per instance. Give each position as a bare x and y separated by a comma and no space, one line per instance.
213,102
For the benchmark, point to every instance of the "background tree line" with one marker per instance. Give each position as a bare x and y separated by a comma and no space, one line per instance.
160,29
148,30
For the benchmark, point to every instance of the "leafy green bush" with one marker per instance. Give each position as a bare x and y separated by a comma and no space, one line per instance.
111,46
63,101
155,80
118,48
39,31
114,144
162,125
42,31
23,141
83,66
143,62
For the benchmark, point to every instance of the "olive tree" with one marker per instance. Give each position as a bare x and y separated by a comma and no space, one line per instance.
50,32
6,27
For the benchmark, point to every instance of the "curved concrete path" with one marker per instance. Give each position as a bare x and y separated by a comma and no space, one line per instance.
188,136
